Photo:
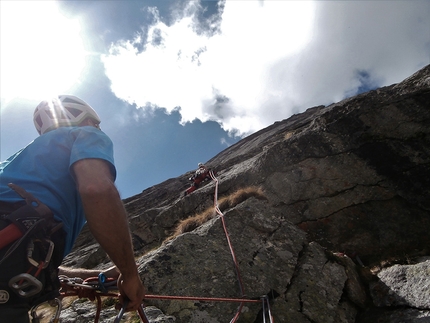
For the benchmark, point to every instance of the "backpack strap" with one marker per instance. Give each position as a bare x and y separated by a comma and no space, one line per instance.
26,217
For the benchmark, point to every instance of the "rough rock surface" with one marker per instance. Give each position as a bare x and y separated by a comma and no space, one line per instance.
348,191
405,285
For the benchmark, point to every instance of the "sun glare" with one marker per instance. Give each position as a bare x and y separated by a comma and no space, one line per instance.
42,53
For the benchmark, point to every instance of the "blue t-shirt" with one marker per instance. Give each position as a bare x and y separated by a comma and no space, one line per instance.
43,168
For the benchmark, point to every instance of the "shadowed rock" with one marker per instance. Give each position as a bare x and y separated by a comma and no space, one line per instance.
347,190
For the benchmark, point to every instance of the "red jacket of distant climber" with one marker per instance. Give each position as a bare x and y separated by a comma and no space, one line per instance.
201,174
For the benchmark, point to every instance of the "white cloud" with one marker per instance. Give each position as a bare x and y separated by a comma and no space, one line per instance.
390,40
271,59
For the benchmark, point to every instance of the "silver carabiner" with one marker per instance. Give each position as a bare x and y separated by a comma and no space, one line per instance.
53,302
122,311
30,250
25,285
265,300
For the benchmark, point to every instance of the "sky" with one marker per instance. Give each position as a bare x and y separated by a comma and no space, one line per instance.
175,82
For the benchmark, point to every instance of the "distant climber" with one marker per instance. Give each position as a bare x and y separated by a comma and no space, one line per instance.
201,175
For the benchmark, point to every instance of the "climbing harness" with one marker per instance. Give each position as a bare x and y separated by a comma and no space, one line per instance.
29,230
96,287
26,218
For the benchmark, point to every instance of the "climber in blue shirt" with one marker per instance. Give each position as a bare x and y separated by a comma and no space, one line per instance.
70,169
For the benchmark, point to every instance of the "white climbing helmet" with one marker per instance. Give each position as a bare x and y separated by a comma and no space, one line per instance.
200,165
64,111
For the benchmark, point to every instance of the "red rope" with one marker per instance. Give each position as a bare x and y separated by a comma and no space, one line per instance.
95,295
236,266
142,315
202,299
227,234
99,308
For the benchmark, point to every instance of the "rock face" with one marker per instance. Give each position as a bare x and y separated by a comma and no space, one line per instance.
338,239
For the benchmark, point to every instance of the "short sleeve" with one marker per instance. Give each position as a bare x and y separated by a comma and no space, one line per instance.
90,142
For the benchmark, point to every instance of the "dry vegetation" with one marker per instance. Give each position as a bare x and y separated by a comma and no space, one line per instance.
224,203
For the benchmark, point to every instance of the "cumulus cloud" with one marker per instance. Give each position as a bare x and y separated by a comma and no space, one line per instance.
263,61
